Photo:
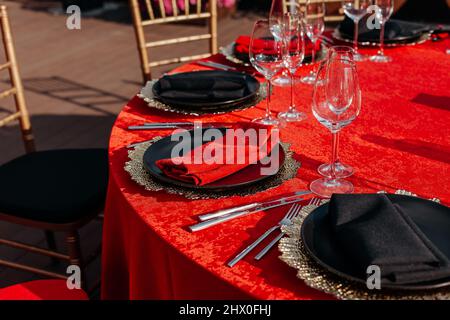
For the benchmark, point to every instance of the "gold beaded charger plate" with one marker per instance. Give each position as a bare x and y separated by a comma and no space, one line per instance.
136,169
318,276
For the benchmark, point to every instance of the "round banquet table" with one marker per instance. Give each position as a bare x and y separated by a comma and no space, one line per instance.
401,140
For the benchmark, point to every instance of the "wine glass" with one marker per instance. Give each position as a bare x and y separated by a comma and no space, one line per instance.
382,13
356,10
293,54
277,19
314,26
341,170
266,56
336,103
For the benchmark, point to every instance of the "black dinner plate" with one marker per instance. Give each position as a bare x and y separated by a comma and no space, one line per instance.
398,40
404,31
319,243
162,149
252,87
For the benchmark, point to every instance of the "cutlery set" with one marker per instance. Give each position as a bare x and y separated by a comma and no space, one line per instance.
213,218
217,217
292,213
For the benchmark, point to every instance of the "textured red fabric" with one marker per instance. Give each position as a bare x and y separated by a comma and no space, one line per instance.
243,45
42,290
401,140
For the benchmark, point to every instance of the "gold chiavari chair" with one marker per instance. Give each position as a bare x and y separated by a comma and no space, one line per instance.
54,191
158,15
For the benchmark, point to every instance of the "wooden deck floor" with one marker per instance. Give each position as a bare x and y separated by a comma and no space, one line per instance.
76,82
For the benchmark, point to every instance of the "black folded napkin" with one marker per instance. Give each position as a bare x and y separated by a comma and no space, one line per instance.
394,30
204,86
371,230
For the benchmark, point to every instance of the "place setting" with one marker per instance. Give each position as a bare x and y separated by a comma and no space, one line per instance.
203,92
336,246
367,23
313,25
152,164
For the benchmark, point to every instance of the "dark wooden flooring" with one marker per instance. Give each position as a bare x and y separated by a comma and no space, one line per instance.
76,82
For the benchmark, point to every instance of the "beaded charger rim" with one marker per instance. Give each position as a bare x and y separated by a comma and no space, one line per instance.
146,94
294,254
135,167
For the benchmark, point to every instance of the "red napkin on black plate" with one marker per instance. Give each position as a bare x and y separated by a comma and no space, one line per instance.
242,45
212,168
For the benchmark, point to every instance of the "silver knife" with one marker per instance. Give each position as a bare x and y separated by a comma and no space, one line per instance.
152,124
215,65
212,222
254,205
152,127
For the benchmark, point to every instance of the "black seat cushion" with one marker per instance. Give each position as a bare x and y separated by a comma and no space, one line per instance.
58,186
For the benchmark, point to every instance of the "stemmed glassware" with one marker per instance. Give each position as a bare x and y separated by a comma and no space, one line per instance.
277,19
314,26
356,10
383,13
336,103
293,54
266,56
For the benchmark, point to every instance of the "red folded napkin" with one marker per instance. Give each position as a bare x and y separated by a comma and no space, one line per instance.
242,45
221,157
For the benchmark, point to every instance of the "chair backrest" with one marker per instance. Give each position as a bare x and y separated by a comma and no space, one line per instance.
328,17
158,14
21,112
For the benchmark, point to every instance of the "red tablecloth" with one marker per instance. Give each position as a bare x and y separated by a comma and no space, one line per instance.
401,140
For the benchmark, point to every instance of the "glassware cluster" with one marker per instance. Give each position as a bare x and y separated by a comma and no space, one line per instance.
278,45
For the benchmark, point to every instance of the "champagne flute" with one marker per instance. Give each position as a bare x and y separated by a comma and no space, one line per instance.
336,103
314,26
293,54
356,10
266,56
383,13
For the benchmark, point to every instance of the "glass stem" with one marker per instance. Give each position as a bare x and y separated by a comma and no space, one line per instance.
355,36
334,154
382,39
337,135
313,57
269,93
292,106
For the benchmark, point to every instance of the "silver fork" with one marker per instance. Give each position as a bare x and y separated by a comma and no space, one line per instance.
314,202
286,219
